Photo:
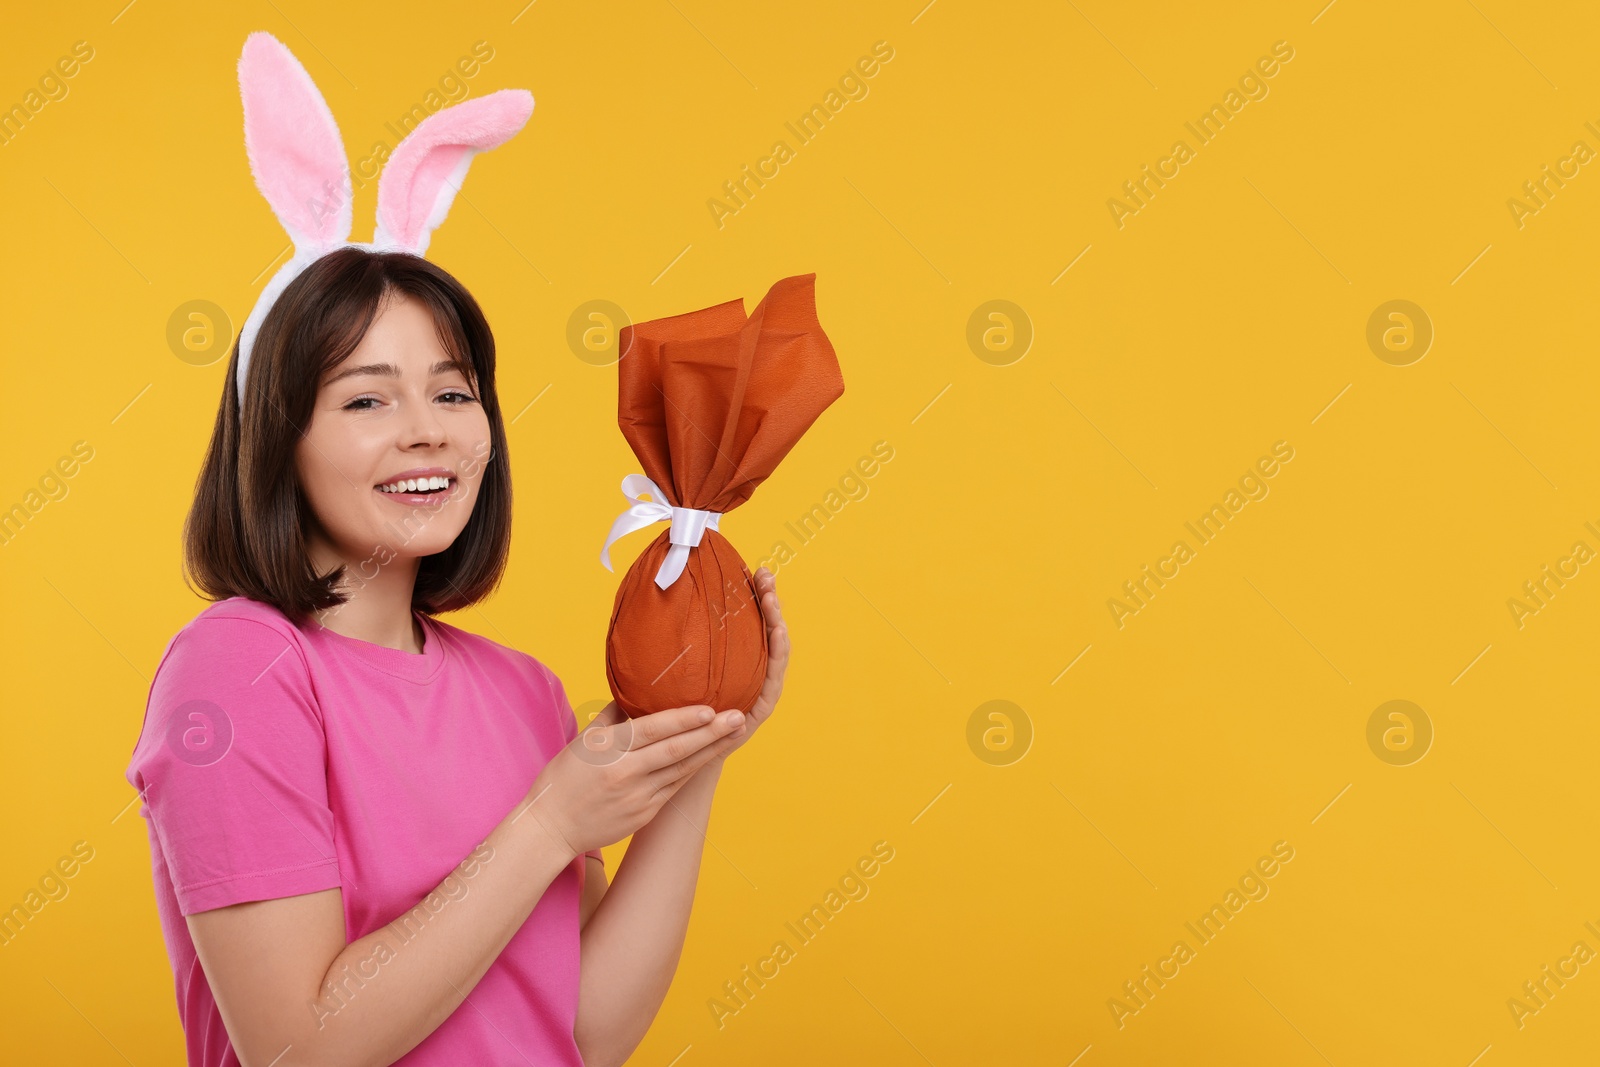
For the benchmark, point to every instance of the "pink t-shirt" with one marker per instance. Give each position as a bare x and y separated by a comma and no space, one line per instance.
277,760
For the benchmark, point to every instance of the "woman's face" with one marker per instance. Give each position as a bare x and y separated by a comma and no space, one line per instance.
391,412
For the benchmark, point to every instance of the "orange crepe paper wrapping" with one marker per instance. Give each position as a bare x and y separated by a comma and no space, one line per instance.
710,402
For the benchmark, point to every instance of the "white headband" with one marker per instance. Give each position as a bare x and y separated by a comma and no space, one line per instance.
298,160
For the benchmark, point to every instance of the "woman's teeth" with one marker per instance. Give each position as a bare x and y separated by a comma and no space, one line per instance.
415,485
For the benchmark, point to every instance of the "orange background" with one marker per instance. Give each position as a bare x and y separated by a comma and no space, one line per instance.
1042,456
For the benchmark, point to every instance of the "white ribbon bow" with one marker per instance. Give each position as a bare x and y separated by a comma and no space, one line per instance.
688,526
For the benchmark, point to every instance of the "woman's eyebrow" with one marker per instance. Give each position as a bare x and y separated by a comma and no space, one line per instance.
389,370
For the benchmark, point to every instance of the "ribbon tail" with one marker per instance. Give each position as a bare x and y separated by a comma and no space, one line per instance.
641,513
672,566
635,518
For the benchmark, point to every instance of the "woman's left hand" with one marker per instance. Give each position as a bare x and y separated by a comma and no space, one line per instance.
777,664
777,658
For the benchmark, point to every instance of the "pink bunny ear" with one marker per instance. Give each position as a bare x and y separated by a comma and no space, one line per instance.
296,153
421,178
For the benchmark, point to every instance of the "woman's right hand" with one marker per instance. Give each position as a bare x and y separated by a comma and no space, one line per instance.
618,772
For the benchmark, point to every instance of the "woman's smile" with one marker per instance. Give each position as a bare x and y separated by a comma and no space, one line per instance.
421,486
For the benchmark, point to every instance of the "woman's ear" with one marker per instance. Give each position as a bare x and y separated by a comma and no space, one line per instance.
296,153
421,178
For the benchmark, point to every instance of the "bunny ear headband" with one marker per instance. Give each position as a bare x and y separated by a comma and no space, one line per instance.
299,164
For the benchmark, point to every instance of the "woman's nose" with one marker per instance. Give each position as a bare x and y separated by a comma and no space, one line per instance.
421,424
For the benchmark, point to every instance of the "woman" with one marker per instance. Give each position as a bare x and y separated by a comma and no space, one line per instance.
375,836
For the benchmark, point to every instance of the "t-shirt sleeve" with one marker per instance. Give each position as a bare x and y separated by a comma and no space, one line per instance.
233,766
568,719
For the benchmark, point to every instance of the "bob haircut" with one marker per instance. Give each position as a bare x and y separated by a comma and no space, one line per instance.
246,532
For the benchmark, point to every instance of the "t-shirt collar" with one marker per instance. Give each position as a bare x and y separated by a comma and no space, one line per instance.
416,667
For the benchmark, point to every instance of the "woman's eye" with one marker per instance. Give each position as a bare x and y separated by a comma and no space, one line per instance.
454,397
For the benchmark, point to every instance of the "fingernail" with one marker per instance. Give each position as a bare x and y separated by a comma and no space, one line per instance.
705,715
736,719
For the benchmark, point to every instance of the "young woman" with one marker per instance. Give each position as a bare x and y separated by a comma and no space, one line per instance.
375,836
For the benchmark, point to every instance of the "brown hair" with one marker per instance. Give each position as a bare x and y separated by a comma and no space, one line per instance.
245,534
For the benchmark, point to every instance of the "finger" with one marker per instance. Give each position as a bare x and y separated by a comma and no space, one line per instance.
772,613
772,684
664,789
648,729
777,655
777,646
712,752
678,751
681,746
663,794
771,689
683,768
766,583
